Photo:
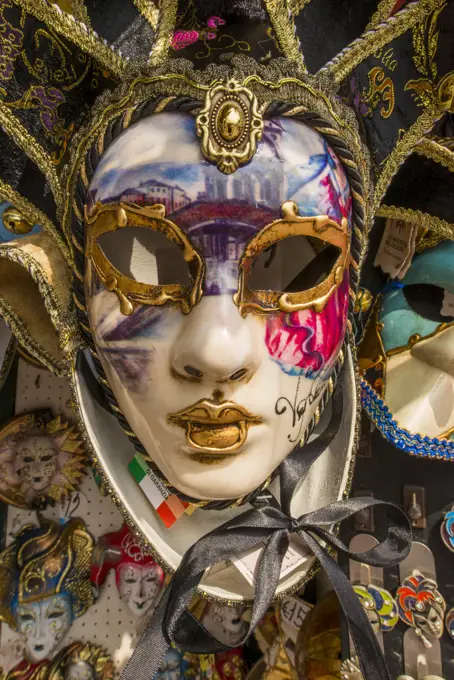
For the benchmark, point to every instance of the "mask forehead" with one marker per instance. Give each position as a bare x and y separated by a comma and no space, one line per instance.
158,160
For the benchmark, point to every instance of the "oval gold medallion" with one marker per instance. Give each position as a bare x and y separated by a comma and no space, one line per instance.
230,121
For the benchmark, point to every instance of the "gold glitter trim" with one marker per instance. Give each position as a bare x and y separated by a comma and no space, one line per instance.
437,153
35,216
402,149
378,36
284,30
149,11
382,13
165,28
77,32
435,224
61,369
24,140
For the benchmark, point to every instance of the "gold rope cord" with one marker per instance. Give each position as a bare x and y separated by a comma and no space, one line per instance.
20,135
35,216
434,224
436,152
149,11
77,32
166,25
284,30
361,48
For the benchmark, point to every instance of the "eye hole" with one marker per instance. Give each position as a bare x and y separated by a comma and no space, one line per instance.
27,459
427,301
146,255
293,264
45,459
26,618
55,615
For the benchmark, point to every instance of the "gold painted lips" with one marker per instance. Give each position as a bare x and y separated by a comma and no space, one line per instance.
215,428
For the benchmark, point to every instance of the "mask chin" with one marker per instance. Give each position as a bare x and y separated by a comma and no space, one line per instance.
328,481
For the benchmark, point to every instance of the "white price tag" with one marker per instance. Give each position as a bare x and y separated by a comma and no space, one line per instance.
295,555
447,308
397,248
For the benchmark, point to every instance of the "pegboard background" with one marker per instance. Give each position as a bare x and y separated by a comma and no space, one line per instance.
108,622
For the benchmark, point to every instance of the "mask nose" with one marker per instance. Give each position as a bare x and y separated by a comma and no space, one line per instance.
215,344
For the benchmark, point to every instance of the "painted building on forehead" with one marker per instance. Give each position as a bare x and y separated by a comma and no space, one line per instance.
152,191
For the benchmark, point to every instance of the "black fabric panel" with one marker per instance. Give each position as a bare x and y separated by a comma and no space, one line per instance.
213,32
110,18
423,184
392,88
49,83
122,25
19,172
325,27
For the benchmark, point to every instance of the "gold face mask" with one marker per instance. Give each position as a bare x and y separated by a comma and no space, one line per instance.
112,217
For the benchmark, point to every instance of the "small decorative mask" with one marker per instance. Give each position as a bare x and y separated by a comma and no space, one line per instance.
379,606
44,584
139,579
225,623
41,460
421,606
82,661
218,302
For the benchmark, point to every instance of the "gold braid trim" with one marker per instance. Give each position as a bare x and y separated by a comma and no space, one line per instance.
24,140
381,34
35,216
297,5
8,359
80,11
424,220
284,30
149,11
165,28
60,369
384,10
403,148
77,32
436,152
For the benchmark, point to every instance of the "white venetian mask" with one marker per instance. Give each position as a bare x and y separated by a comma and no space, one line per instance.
217,348
43,624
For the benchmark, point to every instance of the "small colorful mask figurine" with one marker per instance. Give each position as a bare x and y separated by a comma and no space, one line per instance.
139,579
379,605
409,344
45,584
421,606
41,460
172,667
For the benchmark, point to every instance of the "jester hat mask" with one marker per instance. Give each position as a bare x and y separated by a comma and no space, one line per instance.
205,194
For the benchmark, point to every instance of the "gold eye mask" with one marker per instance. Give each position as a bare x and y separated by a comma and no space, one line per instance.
320,227
111,217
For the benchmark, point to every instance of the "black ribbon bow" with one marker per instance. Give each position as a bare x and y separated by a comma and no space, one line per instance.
271,524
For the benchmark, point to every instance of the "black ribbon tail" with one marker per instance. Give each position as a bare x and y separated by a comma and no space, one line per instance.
151,648
370,656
